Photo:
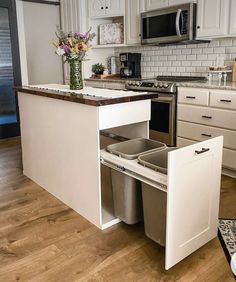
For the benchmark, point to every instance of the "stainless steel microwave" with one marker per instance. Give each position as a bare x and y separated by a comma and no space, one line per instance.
169,25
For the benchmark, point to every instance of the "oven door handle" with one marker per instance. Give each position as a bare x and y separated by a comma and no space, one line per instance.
166,99
179,12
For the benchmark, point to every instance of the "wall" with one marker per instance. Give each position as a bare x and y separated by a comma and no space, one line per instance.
21,39
40,21
183,59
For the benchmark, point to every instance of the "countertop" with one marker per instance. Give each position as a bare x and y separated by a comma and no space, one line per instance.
88,95
209,85
201,84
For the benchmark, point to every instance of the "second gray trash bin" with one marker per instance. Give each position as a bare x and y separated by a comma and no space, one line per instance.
127,193
154,199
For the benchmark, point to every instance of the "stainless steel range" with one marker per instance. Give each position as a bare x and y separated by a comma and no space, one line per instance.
163,108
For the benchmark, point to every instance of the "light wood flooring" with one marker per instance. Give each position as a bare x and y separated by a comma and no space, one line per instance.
41,239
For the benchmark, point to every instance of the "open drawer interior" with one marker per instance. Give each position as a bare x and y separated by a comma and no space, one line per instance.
134,169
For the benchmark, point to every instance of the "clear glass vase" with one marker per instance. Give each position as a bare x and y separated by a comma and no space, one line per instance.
76,81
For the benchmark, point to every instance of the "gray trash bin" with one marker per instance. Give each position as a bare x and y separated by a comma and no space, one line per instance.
127,193
155,200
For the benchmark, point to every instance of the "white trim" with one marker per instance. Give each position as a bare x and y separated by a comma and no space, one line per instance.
110,223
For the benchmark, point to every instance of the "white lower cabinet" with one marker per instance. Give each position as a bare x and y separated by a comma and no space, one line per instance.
192,205
198,123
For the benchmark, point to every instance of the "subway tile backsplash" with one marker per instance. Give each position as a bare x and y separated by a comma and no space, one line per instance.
193,59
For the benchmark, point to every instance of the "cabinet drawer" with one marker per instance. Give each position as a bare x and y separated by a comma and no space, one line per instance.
201,132
229,156
193,96
223,99
207,116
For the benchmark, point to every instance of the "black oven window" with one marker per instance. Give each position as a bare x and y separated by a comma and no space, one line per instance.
160,116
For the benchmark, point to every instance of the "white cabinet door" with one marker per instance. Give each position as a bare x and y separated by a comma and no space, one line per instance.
177,2
192,198
133,10
156,4
212,18
115,7
97,8
232,25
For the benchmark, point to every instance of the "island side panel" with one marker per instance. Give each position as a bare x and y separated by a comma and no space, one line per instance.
60,144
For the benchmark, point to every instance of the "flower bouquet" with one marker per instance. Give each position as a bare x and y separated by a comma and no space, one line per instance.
74,47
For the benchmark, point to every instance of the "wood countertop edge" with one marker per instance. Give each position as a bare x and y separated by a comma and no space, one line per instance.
91,101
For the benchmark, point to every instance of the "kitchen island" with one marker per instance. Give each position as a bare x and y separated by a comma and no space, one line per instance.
60,133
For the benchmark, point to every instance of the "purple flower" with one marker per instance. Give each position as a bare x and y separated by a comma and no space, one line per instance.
66,49
81,35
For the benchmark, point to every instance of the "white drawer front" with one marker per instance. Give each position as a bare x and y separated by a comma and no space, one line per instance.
223,99
193,96
207,116
201,132
229,156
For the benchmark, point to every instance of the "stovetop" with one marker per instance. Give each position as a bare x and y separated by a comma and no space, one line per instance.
160,83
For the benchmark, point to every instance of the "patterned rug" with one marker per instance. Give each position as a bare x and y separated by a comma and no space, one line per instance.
227,236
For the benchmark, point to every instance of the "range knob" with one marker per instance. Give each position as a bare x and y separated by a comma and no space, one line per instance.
161,85
165,85
156,85
129,83
137,83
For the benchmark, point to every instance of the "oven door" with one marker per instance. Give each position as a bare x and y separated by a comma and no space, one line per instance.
163,119
168,25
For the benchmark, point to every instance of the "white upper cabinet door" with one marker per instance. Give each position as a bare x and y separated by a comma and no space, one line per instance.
97,8
133,9
212,18
178,2
232,25
194,174
156,4
115,7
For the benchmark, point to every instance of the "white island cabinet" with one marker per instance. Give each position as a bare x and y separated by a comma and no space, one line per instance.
62,152
61,142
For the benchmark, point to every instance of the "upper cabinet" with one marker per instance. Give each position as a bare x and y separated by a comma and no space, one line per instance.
156,4
132,13
232,25
106,8
213,18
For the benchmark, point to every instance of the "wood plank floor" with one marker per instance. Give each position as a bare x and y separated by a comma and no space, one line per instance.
41,239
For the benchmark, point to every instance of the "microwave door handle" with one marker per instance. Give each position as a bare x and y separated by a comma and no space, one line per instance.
177,22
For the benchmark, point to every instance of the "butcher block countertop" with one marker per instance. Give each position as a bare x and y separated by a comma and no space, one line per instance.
88,95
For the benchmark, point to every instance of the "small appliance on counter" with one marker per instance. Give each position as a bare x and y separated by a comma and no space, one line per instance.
130,65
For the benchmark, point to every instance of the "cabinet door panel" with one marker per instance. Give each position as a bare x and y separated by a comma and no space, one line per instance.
115,7
156,4
192,198
232,25
229,156
212,18
96,8
133,10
